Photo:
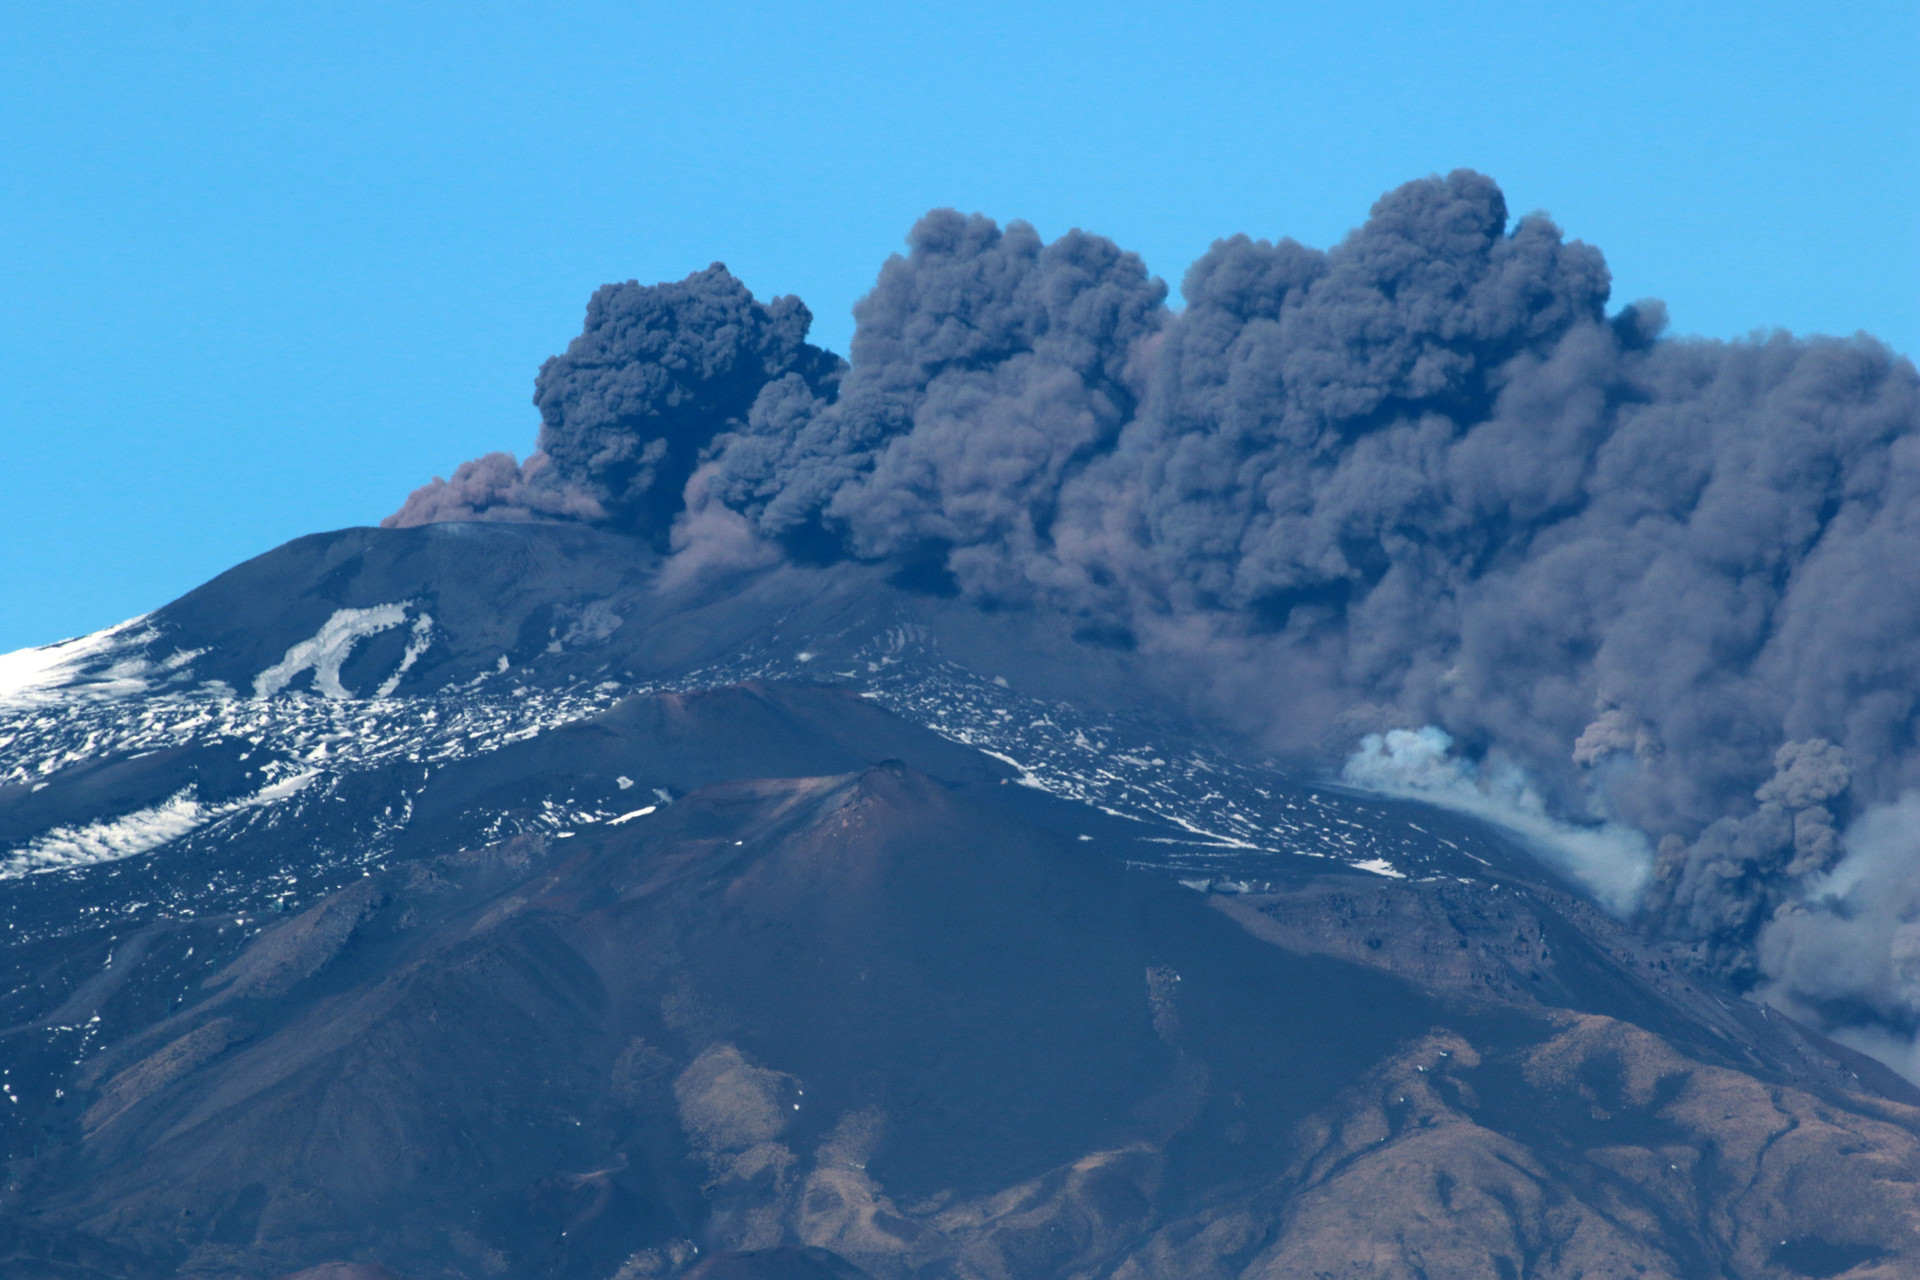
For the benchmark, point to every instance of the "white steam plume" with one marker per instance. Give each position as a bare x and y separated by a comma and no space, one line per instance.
1610,861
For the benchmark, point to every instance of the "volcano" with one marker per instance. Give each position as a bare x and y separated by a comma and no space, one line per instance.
481,900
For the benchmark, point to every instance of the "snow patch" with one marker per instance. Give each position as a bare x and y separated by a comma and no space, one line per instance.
1379,867
29,676
416,645
328,649
1210,837
111,840
133,834
1027,777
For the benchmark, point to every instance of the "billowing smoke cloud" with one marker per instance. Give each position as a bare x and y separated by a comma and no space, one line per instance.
1721,889
988,372
626,411
1423,478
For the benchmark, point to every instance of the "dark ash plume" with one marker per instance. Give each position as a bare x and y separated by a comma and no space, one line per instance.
495,487
987,369
1423,478
626,410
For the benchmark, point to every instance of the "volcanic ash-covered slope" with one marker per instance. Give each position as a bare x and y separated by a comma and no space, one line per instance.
803,1021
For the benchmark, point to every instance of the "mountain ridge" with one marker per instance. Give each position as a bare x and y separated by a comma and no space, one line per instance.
522,966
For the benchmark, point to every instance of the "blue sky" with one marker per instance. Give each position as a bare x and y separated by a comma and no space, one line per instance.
264,268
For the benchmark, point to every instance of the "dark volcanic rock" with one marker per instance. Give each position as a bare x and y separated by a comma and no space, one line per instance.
759,1001
783,1262
866,1013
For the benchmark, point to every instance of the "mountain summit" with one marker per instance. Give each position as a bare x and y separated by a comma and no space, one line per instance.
480,900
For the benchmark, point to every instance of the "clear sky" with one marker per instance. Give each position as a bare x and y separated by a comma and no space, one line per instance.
264,268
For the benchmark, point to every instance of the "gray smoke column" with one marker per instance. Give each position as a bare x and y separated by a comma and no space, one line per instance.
988,370
656,372
1422,478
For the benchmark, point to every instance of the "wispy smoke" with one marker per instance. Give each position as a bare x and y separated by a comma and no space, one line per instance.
1421,478
496,487
1610,860
1845,952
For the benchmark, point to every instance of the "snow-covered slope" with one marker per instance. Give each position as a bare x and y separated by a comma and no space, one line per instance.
103,699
